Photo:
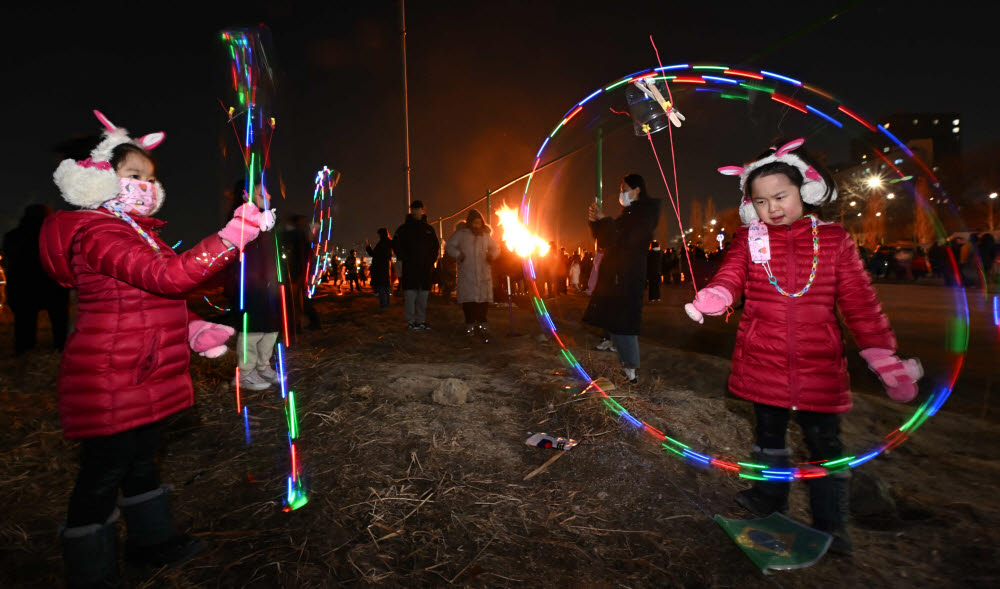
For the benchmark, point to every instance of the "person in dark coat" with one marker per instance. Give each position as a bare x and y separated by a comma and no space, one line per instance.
654,270
381,260
29,288
616,304
417,247
296,250
351,270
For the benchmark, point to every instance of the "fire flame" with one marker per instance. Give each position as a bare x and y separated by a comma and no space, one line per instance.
516,235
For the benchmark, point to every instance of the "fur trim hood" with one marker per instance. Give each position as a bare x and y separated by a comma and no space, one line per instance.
92,182
486,230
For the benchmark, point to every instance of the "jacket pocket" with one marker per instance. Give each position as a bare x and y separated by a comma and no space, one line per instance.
149,359
836,340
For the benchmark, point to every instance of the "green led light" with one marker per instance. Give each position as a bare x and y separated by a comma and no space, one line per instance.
709,67
618,83
752,465
735,96
681,444
837,461
556,130
959,336
752,477
245,316
757,87
674,450
293,422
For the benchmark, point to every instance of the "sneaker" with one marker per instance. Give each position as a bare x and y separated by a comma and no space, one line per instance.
269,375
423,327
412,327
606,345
470,330
251,381
484,332
630,375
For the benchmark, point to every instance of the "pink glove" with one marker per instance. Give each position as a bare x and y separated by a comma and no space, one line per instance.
244,227
208,339
899,377
711,300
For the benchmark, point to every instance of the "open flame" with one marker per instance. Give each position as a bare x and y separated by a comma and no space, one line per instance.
516,235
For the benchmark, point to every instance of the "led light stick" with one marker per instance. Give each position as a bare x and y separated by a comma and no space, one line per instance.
730,83
253,83
319,257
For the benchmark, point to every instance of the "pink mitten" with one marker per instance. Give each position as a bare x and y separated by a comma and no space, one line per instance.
208,339
244,227
899,377
711,300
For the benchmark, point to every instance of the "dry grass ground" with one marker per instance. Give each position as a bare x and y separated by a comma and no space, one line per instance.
407,493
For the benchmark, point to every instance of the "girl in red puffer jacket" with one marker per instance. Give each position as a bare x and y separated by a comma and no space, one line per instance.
125,367
795,272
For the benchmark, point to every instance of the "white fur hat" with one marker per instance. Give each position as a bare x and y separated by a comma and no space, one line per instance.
92,182
813,186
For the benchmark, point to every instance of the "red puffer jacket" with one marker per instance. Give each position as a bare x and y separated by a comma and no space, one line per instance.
790,351
126,363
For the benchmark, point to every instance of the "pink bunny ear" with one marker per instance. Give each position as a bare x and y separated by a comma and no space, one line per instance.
104,120
790,146
812,174
731,170
152,140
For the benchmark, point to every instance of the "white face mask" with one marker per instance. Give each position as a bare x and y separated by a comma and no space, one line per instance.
624,199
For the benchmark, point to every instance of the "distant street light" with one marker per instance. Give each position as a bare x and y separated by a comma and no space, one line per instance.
993,196
712,222
874,182
891,196
853,203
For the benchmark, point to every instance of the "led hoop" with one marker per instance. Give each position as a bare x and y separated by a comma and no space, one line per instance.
319,258
735,84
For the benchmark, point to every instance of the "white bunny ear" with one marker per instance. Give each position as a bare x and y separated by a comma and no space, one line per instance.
104,120
152,140
790,146
731,170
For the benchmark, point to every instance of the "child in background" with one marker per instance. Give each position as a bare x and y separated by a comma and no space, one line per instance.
258,280
125,367
796,272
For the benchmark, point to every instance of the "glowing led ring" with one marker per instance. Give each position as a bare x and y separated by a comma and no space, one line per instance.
735,84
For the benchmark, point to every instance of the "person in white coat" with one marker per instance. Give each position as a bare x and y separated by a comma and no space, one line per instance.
473,246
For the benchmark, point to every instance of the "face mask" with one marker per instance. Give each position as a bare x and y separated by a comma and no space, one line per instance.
136,196
624,199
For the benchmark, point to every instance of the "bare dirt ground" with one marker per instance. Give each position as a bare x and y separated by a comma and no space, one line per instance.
406,492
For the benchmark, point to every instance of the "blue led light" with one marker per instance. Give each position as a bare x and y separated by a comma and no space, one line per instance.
680,66
581,103
895,140
825,116
718,79
780,77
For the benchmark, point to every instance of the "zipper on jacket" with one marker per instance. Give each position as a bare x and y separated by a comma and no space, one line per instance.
793,381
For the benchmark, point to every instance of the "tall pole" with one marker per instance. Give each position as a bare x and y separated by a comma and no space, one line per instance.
599,176
488,207
406,104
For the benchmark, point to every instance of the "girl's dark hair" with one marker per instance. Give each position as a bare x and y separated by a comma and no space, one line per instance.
792,173
121,151
636,181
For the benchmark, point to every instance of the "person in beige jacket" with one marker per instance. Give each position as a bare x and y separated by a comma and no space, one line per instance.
473,246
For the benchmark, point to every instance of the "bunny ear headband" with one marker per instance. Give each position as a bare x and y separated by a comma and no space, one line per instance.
91,182
813,187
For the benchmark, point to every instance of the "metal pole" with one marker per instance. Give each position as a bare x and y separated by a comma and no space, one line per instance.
406,104
599,185
488,207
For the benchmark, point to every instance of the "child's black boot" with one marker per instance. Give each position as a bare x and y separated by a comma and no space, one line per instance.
767,497
152,539
90,555
829,498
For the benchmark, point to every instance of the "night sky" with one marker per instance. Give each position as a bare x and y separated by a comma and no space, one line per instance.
487,83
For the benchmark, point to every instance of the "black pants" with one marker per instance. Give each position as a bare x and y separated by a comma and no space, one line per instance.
654,287
125,461
475,312
820,430
26,322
